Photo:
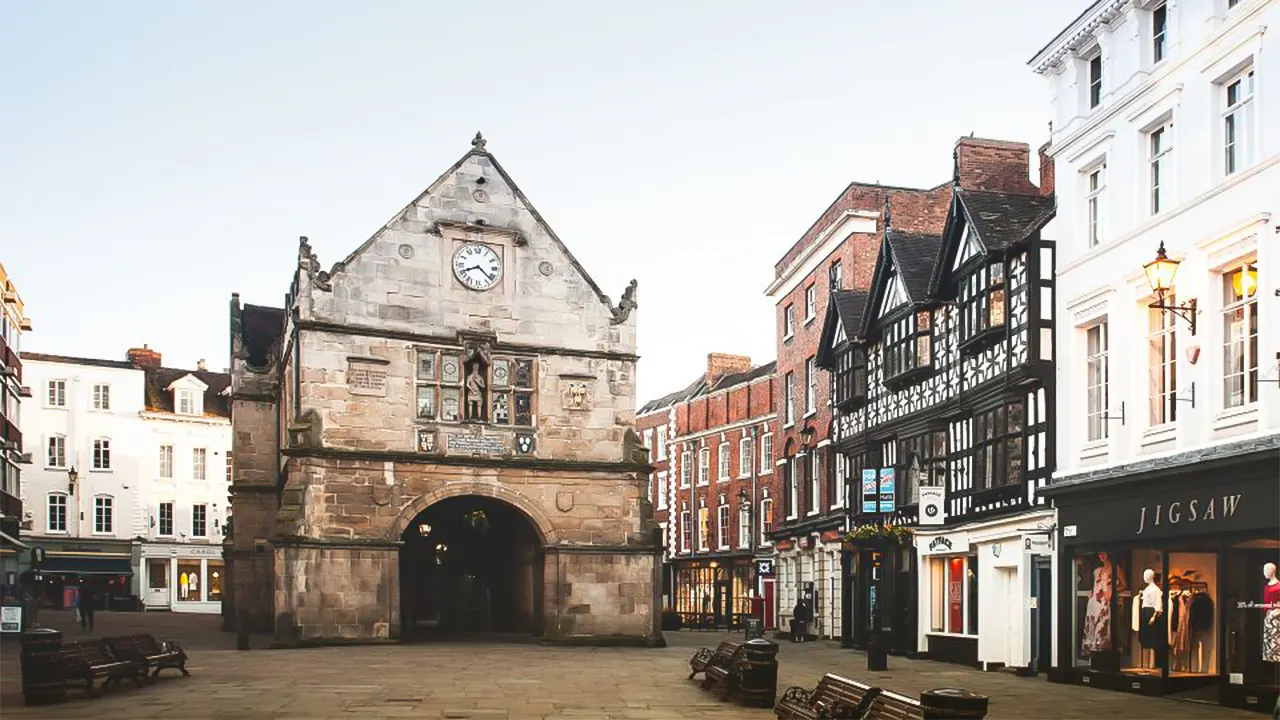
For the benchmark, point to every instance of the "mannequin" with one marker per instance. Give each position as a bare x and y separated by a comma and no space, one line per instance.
1152,607
1271,620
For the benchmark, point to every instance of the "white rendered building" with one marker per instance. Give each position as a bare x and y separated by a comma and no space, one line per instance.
128,484
1166,134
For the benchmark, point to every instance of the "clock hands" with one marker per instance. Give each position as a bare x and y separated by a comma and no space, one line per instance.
482,272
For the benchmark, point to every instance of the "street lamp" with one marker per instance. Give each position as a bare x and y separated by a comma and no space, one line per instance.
806,437
1160,275
72,477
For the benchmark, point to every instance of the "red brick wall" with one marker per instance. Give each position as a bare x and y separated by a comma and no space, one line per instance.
645,424
997,165
739,404
914,210
1046,171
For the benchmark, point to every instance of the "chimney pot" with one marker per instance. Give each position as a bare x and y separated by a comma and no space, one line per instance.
143,357
721,364
200,365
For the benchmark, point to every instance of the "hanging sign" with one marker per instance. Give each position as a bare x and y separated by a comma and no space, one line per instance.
888,476
869,490
932,498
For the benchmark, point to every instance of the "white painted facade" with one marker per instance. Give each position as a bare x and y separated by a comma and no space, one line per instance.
66,426
1004,575
1218,209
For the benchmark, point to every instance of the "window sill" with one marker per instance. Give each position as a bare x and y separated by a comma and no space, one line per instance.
1158,434
766,471
99,470
788,337
981,341
810,413
961,636
50,468
809,320
908,377
722,480
95,533
789,425
55,532
1235,417
811,513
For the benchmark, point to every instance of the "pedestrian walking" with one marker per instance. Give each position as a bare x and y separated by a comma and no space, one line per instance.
799,621
85,602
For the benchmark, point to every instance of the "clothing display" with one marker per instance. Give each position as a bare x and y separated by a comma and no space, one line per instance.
1271,623
1096,634
1180,622
1201,612
1149,632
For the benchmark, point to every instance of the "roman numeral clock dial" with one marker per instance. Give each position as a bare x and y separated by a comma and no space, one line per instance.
477,266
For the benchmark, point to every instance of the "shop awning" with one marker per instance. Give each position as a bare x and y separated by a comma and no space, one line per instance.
86,565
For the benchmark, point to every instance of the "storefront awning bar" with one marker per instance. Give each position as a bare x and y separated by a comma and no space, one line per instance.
1233,454
83,565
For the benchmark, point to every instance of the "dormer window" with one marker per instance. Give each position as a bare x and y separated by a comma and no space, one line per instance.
982,304
851,377
186,402
908,345
188,395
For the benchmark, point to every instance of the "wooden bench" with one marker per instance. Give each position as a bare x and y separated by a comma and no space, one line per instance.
892,706
704,657
720,669
750,676
86,661
834,697
154,655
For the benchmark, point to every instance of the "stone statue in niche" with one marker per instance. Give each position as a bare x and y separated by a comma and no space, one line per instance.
476,400
577,395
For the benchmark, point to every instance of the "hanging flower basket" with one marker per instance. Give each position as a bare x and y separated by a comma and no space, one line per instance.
890,533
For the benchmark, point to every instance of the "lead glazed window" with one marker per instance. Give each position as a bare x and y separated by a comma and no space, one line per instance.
452,388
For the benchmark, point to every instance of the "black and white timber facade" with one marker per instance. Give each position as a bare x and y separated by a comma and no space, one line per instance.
943,372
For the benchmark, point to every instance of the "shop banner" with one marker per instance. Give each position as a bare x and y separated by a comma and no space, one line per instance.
932,499
888,481
956,543
869,490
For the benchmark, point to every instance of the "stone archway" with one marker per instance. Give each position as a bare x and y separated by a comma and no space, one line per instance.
532,510
471,565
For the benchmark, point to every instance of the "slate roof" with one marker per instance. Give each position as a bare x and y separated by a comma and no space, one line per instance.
159,399
68,360
746,376
692,390
261,328
1004,219
914,257
850,304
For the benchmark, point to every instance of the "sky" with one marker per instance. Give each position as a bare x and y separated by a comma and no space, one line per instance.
156,156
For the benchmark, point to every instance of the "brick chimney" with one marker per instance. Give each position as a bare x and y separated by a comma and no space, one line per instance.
143,357
1046,171
994,165
721,364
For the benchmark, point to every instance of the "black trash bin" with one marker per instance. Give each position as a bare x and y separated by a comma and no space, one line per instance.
877,653
758,683
42,677
953,704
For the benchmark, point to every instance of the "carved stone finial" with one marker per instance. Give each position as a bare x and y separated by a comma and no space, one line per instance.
626,304
309,264
955,166
478,142
888,211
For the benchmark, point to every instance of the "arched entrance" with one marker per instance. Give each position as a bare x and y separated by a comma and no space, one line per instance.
470,565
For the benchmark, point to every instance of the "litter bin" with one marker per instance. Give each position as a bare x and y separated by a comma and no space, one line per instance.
953,704
758,685
42,676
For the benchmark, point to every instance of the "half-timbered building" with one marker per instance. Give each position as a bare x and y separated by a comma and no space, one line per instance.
943,377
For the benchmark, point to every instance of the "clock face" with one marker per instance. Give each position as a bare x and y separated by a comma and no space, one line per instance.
477,266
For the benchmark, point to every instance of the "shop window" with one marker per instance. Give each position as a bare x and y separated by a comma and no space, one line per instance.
1167,623
1097,581
954,590
158,574
213,574
189,580
1251,611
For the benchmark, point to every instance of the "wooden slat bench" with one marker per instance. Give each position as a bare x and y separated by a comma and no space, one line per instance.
834,697
704,657
86,661
751,675
154,655
892,706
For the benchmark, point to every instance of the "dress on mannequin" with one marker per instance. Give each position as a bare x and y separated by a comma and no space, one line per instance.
1271,622
1149,632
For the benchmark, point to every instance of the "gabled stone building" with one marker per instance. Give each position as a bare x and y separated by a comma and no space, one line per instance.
436,436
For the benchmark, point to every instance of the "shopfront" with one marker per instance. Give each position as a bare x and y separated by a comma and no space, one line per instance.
714,593
986,589
883,585
182,578
1172,591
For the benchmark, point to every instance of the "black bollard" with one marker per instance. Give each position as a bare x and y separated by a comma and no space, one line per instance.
877,653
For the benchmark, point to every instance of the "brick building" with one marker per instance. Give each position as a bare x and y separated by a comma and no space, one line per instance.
712,450
13,322
839,251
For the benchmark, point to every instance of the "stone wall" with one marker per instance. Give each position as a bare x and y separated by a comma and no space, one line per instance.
254,505
596,596
336,592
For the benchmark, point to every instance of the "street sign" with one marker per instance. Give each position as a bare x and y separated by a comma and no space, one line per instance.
932,498
888,478
869,490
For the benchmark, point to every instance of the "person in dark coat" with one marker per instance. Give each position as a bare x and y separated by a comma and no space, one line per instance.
86,601
800,613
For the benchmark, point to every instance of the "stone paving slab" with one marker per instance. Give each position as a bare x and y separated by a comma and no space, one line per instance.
491,681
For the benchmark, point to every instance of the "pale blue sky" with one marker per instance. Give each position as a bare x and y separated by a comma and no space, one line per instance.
156,156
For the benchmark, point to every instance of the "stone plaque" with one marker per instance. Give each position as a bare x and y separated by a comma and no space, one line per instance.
365,378
476,445
426,441
575,393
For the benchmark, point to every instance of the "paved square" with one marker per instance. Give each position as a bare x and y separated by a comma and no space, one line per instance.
506,680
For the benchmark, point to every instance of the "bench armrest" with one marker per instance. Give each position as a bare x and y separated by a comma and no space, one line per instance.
702,656
797,696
